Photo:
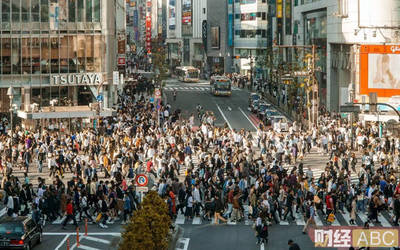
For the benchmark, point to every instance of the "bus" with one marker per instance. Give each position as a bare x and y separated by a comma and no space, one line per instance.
188,74
220,85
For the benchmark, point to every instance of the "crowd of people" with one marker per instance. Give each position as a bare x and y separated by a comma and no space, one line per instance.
208,171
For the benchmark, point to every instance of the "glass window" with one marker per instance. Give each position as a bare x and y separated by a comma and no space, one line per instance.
96,10
97,53
71,10
55,55
16,55
35,50
89,54
26,56
63,11
64,54
6,55
81,10
15,10
25,11
72,51
45,100
81,53
35,10
44,10
45,55
88,10
5,10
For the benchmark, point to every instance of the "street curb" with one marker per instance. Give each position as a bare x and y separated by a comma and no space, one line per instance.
178,232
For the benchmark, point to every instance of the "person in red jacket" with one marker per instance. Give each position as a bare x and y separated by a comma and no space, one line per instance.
69,212
329,204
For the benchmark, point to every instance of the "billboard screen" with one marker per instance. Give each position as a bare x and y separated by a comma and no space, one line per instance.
187,17
380,70
215,37
172,15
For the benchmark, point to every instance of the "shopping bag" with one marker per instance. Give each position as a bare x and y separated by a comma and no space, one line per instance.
331,218
98,218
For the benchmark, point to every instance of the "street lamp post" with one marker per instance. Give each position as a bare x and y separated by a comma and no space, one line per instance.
10,93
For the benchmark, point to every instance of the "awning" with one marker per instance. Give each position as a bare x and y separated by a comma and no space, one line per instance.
65,112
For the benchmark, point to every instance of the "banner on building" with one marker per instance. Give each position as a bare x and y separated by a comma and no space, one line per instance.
172,15
148,26
230,22
215,41
288,17
187,17
279,9
204,34
54,16
380,70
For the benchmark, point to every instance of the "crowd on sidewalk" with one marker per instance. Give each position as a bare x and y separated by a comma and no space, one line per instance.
212,172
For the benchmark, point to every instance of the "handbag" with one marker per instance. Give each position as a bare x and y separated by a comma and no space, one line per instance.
98,218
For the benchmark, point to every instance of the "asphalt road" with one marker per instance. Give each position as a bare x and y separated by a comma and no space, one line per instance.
231,110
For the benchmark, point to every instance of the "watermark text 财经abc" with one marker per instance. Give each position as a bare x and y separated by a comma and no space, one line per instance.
356,237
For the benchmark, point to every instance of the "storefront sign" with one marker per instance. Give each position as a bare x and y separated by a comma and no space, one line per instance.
77,79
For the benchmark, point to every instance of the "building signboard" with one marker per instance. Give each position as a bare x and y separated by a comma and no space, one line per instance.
230,22
380,70
187,17
171,15
148,26
77,79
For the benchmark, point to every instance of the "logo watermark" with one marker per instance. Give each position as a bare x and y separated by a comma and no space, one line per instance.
345,237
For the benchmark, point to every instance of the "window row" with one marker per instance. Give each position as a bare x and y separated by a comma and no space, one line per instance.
251,16
50,11
67,54
251,33
250,1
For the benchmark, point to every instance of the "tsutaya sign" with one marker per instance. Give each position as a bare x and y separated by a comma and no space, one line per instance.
77,79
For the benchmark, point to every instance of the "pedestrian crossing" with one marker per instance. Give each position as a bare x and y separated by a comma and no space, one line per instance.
194,88
341,219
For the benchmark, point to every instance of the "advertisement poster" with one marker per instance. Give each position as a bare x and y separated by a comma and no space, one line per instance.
172,15
148,27
63,12
380,70
230,22
53,16
215,37
187,17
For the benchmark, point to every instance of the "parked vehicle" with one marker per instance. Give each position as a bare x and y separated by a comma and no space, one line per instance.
19,233
262,107
279,123
254,106
253,97
267,116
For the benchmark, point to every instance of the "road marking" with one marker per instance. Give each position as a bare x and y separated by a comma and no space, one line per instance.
229,108
223,115
185,242
3,211
383,221
62,242
97,240
262,246
180,219
247,118
84,247
196,221
74,233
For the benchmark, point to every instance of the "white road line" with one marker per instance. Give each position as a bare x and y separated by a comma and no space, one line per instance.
180,219
347,218
383,221
318,221
185,241
196,221
262,246
84,247
3,211
97,240
62,242
223,115
74,233
247,118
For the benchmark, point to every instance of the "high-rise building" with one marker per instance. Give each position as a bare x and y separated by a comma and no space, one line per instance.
59,56
184,32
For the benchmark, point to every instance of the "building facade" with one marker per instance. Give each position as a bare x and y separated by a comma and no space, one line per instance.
346,32
63,51
184,32
250,18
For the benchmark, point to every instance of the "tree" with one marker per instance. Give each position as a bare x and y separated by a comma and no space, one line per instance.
159,61
148,228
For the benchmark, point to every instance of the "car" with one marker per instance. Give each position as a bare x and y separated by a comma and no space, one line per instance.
253,97
19,232
254,105
279,123
262,107
268,114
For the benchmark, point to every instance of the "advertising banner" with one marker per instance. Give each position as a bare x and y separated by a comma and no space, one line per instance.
53,16
172,15
230,22
215,37
279,11
148,26
380,70
186,17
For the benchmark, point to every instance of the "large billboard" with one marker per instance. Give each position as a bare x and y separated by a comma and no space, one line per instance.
187,17
172,15
380,70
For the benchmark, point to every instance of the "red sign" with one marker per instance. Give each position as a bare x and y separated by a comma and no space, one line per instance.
121,60
148,25
141,180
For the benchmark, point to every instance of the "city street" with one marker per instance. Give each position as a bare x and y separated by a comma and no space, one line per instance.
231,110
